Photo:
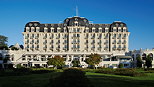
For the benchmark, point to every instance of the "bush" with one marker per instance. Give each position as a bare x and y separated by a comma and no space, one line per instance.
105,71
18,66
26,71
120,71
121,65
128,72
44,70
149,70
15,72
70,78
90,70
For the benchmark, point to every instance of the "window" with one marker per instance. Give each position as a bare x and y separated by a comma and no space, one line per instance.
74,30
119,29
76,24
78,46
27,29
125,35
78,35
23,58
78,30
32,29
37,46
74,35
45,29
100,30
93,30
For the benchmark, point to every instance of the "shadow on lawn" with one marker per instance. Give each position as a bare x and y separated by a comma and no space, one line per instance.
113,81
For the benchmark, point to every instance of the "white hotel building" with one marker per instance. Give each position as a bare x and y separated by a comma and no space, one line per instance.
75,38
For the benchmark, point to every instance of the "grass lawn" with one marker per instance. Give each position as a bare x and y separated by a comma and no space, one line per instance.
97,79
106,80
33,80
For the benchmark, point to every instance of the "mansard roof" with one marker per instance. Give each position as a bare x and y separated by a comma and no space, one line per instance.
80,20
72,22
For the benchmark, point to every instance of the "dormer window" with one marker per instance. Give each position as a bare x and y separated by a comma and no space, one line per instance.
35,24
37,29
76,23
45,29
119,29
76,19
124,29
52,29
30,24
59,29
100,29
27,29
93,29
106,29
32,29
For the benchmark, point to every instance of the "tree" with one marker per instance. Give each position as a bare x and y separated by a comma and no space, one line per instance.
3,42
76,63
56,61
139,62
121,65
93,60
148,61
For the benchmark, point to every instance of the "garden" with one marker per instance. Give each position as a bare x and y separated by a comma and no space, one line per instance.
76,77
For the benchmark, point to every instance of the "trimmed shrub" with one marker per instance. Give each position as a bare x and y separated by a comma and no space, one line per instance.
120,71
72,77
149,70
44,70
128,72
105,71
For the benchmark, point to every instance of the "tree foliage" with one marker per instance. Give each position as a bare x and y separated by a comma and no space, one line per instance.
148,61
3,42
76,63
121,65
93,59
139,62
56,61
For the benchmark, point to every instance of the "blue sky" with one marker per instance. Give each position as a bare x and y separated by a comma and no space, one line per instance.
137,14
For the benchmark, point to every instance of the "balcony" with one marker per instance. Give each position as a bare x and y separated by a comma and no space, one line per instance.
105,42
124,42
105,37
113,37
123,37
113,42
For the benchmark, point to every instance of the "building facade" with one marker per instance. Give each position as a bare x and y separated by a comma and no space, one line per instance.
74,39
143,54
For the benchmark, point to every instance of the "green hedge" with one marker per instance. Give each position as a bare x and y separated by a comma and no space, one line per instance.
26,71
128,72
120,71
